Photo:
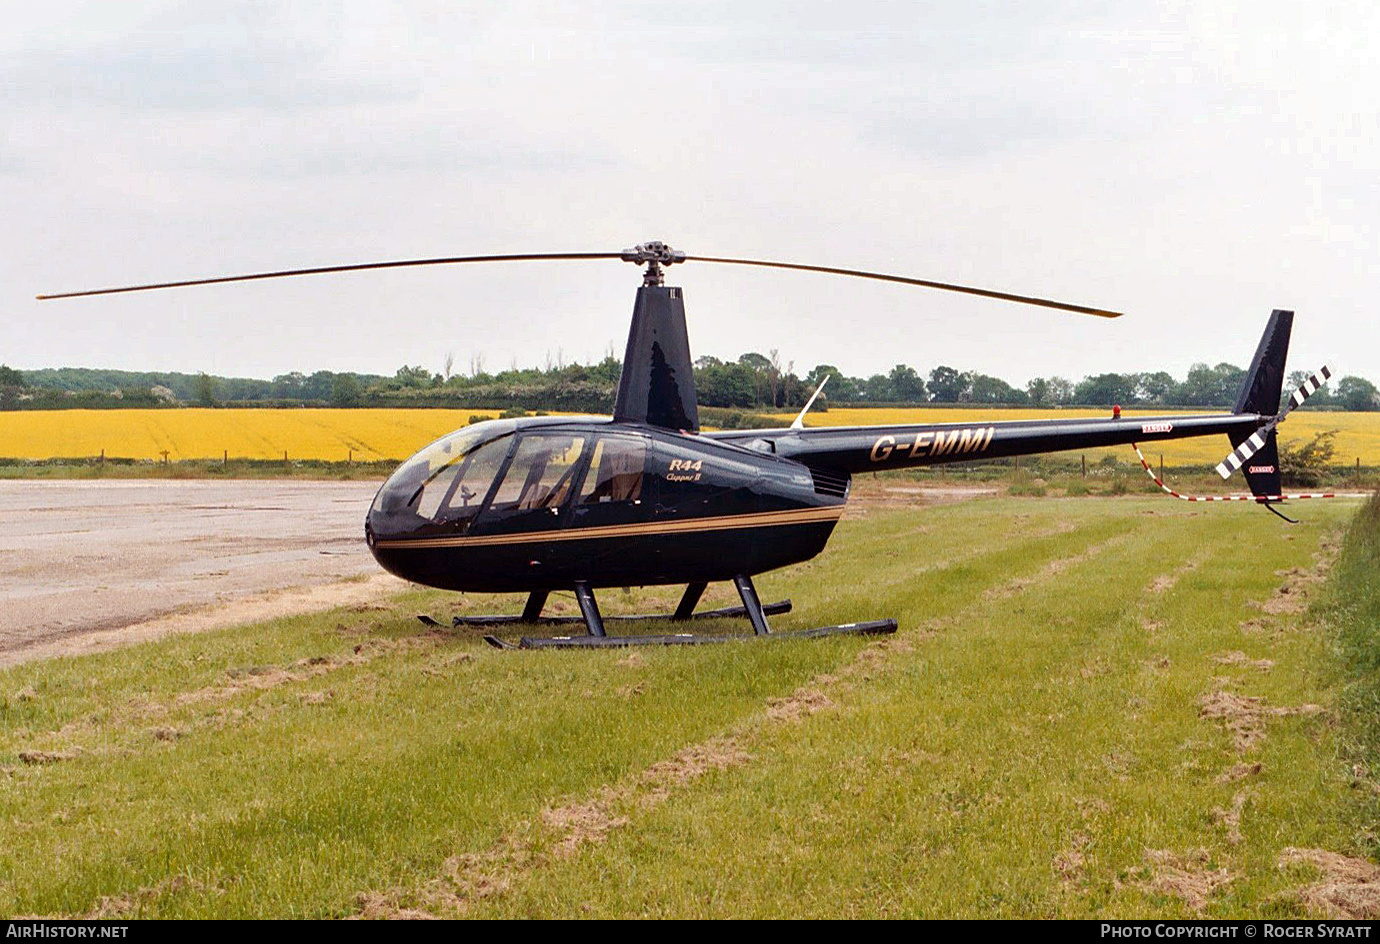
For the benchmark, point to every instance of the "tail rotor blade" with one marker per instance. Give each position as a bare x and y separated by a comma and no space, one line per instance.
1307,389
1257,440
1241,453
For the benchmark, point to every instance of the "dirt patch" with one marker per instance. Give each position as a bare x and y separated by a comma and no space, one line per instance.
1167,582
43,758
1185,876
260,678
1071,862
798,704
1241,659
1293,594
1244,715
583,822
1349,888
1231,817
378,906
1096,668
121,905
1240,772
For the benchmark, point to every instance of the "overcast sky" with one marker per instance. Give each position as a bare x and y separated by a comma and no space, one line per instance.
1192,164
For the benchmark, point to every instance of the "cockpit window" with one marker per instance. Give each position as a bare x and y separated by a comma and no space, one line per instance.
541,473
615,471
446,482
458,488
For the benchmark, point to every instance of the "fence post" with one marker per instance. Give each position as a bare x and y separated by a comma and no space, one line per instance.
1084,457
225,457
1161,467
1358,461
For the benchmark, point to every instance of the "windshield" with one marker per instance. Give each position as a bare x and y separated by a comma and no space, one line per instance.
445,483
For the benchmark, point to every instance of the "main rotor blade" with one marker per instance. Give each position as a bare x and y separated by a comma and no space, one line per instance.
321,270
659,253
883,277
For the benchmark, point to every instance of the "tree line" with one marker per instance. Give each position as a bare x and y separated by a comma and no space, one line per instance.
753,381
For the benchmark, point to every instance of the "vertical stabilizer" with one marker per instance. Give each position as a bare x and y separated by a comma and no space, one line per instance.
657,385
1265,377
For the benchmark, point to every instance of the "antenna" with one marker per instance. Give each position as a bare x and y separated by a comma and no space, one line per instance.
800,420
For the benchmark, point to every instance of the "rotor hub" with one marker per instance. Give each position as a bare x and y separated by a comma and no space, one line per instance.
654,255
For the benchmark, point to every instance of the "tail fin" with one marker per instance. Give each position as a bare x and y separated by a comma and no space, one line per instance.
1265,378
1257,453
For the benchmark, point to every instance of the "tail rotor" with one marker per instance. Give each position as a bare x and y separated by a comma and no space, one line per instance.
1266,434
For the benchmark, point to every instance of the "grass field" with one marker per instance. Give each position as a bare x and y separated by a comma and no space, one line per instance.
395,434
1094,707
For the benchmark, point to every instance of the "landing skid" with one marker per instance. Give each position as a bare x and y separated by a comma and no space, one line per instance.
873,628
752,610
728,612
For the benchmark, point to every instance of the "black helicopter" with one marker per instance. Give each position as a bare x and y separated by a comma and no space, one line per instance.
645,497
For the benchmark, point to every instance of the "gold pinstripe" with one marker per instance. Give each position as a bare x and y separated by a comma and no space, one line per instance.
721,523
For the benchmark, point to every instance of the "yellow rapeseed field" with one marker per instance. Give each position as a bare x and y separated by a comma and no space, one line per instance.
397,433
210,434
1358,434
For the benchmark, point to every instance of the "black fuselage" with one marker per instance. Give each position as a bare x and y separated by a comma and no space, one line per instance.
608,504
544,503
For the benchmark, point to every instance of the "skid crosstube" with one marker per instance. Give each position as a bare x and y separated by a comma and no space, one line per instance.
728,612
872,628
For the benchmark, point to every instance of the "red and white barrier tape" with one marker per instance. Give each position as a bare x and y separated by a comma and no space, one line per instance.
1215,498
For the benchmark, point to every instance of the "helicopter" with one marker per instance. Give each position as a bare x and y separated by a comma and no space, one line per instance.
645,497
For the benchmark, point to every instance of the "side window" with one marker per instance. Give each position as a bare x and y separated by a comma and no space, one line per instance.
541,473
616,471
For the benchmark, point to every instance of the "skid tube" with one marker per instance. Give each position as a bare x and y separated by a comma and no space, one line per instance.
752,609
728,612
872,628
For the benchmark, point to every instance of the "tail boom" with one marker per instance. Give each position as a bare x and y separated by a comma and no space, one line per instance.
874,448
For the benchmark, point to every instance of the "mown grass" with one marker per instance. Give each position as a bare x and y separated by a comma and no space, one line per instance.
1032,731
